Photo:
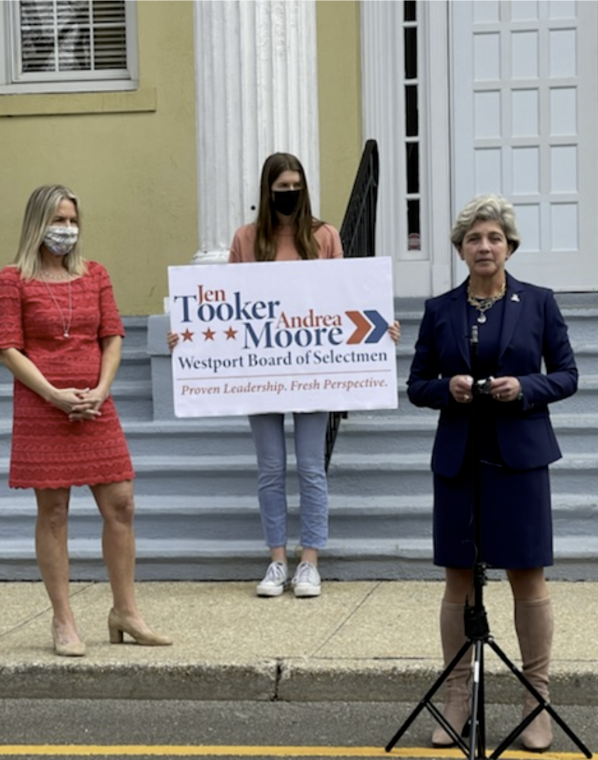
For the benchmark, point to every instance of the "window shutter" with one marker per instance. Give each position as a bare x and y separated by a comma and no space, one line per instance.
110,34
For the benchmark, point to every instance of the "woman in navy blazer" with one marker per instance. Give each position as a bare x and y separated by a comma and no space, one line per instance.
524,354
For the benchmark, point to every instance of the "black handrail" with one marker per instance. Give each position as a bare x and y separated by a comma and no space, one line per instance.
358,236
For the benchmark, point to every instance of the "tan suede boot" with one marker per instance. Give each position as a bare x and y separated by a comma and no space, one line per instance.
457,701
534,624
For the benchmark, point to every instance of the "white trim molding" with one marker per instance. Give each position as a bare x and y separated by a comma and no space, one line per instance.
425,269
256,79
438,210
47,48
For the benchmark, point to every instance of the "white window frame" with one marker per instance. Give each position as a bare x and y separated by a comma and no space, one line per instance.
66,81
426,271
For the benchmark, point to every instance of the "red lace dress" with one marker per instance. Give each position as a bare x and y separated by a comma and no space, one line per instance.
48,451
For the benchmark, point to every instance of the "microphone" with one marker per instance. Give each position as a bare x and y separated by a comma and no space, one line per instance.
474,340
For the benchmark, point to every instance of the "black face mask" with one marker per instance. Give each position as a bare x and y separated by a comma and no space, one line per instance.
285,201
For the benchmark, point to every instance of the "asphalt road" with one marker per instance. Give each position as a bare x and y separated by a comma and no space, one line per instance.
173,729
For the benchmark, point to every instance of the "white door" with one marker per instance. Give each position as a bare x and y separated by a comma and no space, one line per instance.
524,125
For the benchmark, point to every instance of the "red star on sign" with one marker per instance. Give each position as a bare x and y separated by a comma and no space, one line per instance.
209,334
187,335
231,333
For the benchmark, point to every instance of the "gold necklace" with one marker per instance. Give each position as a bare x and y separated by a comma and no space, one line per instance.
66,322
483,304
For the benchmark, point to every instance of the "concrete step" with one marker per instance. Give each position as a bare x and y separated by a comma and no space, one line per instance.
356,559
366,474
135,365
133,399
188,559
236,475
581,321
210,517
196,483
585,401
204,517
403,431
222,436
388,474
135,332
586,356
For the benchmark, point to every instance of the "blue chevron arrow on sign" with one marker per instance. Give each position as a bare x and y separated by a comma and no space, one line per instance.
380,326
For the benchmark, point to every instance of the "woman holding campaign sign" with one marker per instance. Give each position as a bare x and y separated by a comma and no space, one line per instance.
286,230
60,336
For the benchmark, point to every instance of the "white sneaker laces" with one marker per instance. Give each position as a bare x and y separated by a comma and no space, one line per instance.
305,573
275,573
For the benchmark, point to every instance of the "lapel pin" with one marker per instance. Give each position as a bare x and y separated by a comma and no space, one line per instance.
515,298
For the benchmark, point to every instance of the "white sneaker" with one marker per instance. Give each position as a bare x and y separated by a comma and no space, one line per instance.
275,580
306,581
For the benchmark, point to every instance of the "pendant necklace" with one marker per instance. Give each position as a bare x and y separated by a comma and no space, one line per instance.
66,322
483,304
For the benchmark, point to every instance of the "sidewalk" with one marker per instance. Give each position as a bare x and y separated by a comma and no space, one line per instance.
360,641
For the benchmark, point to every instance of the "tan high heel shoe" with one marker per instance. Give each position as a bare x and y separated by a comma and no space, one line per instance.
117,626
66,649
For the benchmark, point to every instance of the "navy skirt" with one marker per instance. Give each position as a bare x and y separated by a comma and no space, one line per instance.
516,518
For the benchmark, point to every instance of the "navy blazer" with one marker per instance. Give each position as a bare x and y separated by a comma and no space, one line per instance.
533,330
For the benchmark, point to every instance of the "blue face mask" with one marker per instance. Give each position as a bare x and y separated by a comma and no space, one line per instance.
285,201
60,240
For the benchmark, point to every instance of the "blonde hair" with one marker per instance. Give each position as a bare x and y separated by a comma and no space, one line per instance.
40,211
487,208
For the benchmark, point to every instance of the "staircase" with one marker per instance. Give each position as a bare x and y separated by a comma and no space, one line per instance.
197,515
384,459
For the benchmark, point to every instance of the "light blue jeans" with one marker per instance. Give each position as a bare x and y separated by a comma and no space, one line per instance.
270,447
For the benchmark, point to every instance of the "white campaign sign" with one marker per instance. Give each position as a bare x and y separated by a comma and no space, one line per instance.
296,336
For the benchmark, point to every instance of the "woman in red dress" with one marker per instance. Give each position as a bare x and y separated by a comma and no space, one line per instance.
60,336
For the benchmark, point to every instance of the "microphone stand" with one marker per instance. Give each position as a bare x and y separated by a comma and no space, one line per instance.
477,632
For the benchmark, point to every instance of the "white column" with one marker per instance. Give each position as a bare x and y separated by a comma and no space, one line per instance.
256,79
383,116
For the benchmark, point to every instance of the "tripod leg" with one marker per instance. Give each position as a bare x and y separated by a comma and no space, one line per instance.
526,721
426,702
477,735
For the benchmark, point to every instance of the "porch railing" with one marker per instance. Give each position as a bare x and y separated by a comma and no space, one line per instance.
358,236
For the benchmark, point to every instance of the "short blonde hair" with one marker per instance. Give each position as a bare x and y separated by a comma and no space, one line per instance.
39,212
487,208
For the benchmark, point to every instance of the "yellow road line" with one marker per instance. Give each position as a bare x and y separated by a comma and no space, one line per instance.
79,750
